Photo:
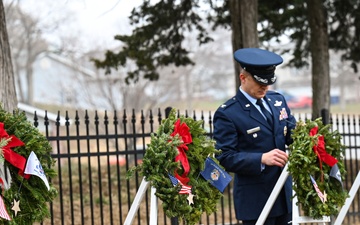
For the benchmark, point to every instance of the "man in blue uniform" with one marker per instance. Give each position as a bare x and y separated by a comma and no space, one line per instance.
252,130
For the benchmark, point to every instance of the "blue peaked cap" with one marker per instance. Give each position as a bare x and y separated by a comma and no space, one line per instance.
259,63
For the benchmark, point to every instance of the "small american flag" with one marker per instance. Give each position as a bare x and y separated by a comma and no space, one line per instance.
185,189
3,212
319,193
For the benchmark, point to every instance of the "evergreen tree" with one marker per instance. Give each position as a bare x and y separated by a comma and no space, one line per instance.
161,28
315,27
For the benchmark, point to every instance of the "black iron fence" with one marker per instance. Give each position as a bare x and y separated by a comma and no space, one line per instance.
94,151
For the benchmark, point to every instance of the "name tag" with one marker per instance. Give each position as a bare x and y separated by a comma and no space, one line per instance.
253,130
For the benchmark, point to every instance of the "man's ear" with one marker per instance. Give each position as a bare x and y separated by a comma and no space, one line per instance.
241,76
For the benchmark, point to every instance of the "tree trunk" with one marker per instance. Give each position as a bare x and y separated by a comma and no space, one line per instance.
7,85
319,45
30,83
17,78
244,18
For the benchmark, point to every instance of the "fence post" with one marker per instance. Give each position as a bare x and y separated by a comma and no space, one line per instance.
325,116
167,111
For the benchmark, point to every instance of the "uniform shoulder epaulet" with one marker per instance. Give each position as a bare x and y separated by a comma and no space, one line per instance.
271,92
275,95
228,103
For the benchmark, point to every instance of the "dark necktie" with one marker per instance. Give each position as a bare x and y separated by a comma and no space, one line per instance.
265,112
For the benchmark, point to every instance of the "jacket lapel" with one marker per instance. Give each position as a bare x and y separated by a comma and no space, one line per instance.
253,111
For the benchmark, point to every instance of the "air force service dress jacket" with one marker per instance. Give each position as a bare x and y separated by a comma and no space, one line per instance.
243,135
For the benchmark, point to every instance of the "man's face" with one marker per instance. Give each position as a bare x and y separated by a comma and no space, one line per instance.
250,86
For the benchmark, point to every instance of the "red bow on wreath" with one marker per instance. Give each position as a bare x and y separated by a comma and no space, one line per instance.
9,155
320,150
183,131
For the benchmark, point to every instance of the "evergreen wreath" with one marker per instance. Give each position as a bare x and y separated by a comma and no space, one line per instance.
305,161
158,163
32,195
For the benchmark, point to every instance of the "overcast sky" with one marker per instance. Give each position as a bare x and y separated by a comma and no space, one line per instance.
91,20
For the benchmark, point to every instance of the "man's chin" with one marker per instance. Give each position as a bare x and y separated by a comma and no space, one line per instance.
261,95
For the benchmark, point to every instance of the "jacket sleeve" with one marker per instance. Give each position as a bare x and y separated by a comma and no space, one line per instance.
232,158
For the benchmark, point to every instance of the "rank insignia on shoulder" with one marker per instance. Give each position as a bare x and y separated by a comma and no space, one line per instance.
247,105
223,106
283,114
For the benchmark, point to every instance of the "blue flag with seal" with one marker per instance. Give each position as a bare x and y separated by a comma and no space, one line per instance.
213,173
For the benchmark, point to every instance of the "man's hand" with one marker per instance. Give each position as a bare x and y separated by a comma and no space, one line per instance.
275,157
